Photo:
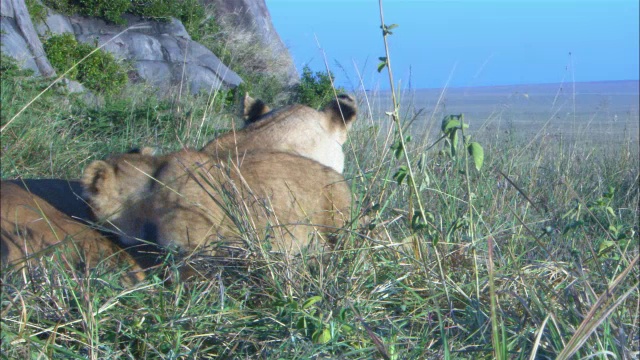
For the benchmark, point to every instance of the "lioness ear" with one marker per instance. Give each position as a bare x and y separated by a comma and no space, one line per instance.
96,178
342,110
253,109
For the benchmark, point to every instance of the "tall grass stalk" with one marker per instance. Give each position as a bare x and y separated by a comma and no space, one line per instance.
414,193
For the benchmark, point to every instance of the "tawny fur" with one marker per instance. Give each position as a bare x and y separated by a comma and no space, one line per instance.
295,129
32,228
196,200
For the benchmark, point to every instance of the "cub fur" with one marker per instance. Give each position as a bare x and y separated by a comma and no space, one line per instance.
295,129
30,227
195,201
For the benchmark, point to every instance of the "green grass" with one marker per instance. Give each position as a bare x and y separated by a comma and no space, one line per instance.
562,228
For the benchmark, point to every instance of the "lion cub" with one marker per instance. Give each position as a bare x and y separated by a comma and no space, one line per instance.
296,129
30,227
194,201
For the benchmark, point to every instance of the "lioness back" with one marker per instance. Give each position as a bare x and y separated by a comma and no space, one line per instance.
30,228
295,129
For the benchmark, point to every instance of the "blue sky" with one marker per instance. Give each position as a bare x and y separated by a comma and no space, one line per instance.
465,42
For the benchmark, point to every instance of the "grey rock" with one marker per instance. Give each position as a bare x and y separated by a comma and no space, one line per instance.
54,24
18,24
14,45
203,79
160,51
156,73
73,86
252,17
94,26
6,8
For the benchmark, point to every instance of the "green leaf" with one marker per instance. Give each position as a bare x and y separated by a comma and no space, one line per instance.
477,153
571,226
321,336
383,63
609,193
605,246
417,221
386,29
452,122
310,301
301,324
397,148
453,138
610,211
401,174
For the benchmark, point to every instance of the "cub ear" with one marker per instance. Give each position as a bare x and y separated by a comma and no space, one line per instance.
253,109
148,151
97,179
342,110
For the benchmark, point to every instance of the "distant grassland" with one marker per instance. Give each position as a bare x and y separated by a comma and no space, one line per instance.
542,232
605,112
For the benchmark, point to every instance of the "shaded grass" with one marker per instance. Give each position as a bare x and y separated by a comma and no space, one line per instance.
541,205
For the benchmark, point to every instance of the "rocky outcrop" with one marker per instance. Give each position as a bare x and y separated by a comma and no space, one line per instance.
19,39
162,53
249,21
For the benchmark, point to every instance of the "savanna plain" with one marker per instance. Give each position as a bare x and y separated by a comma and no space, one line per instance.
531,253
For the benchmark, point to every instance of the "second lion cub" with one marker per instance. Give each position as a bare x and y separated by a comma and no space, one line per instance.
194,201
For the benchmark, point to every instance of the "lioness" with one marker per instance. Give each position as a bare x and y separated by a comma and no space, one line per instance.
295,129
31,227
64,195
191,199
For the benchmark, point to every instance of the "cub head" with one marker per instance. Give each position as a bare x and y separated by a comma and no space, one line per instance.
114,187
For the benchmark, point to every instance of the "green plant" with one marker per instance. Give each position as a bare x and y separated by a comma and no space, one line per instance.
315,89
67,7
190,12
453,127
37,11
99,71
261,86
62,52
109,10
